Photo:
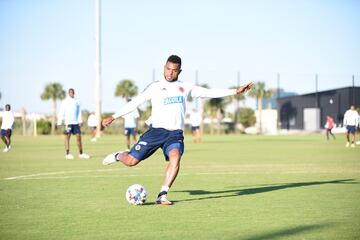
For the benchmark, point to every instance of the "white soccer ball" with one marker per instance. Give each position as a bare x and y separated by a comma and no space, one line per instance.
136,194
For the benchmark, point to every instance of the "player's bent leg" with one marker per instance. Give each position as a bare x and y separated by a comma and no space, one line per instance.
123,157
127,159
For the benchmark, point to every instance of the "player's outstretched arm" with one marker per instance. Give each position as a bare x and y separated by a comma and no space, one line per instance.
200,92
244,88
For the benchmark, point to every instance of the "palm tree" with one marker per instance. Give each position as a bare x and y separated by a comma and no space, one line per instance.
53,91
238,98
126,89
215,107
259,92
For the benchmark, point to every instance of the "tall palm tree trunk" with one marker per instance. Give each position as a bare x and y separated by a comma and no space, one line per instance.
53,120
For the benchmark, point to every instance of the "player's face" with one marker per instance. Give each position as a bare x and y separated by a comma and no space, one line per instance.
71,93
171,71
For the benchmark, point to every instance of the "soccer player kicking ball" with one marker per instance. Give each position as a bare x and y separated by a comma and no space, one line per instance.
168,98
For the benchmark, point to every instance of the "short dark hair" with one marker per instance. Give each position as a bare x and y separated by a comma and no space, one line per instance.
7,106
174,59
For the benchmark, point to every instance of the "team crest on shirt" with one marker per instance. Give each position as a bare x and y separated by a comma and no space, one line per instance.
181,89
137,147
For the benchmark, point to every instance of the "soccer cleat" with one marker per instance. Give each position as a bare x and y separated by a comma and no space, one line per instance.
347,144
6,149
84,156
162,200
352,145
69,156
94,139
111,158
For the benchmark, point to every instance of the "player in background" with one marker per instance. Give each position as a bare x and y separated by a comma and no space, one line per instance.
92,124
168,99
130,126
195,122
70,114
351,119
329,125
6,127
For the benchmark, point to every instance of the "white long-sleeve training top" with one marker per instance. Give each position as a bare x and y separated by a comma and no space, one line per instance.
7,120
70,111
351,118
130,119
168,100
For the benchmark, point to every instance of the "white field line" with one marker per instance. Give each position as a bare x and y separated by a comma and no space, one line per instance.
58,173
84,171
52,175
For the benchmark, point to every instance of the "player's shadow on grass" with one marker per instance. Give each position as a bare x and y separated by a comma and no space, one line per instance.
257,190
288,232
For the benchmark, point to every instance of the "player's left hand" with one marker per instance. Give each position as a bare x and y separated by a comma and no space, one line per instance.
244,88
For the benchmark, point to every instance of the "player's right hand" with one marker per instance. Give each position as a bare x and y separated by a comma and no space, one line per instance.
107,121
244,88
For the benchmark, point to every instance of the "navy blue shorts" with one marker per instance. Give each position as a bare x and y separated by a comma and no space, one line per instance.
155,138
72,129
194,128
130,132
6,132
350,129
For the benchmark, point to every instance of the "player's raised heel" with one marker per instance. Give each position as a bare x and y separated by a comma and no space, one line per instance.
162,200
111,158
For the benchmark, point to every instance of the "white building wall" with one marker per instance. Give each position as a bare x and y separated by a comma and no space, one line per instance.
268,121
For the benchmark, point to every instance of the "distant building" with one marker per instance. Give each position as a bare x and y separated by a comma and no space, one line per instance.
298,112
272,102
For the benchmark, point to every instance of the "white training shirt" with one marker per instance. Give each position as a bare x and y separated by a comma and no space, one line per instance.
130,119
168,100
7,120
351,118
92,120
70,111
195,119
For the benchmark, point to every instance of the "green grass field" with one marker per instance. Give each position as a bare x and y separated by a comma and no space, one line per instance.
229,187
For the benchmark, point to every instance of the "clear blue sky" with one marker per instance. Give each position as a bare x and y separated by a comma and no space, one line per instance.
54,41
